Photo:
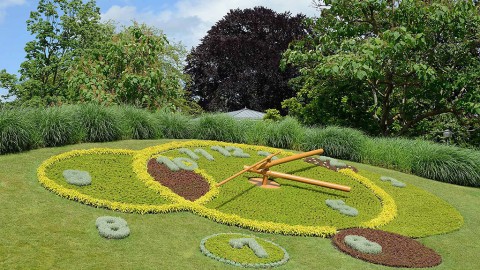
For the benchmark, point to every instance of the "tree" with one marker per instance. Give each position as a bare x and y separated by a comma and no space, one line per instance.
385,66
62,29
237,63
137,66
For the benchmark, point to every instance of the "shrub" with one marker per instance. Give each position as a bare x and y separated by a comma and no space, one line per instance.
272,114
343,143
58,126
17,132
174,125
139,123
100,124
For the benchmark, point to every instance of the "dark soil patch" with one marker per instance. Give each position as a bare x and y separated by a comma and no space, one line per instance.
187,184
397,250
327,165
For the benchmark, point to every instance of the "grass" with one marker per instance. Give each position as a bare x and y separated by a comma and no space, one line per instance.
40,230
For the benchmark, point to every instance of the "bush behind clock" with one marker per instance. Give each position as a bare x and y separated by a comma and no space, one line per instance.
23,129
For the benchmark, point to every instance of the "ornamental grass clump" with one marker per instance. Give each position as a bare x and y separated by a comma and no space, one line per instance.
58,126
17,131
391,153
343,143
447,164
219,127
100,124
286,134
139,124
174,125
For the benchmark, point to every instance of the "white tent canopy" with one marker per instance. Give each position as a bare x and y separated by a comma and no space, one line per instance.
246,114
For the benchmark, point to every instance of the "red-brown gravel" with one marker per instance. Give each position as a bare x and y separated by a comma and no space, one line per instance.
397,250
187,184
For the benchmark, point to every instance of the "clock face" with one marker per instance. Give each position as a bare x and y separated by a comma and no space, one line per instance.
183,176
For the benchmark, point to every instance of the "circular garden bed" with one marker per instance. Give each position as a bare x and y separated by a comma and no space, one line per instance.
396,250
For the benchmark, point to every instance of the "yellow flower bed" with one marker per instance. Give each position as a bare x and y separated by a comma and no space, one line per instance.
139,166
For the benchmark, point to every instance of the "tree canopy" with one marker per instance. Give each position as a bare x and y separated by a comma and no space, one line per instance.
237,63
385,66
137,66
62,29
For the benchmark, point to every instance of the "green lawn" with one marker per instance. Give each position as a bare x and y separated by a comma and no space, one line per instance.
40,230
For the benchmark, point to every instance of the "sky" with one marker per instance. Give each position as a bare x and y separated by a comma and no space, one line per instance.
185,21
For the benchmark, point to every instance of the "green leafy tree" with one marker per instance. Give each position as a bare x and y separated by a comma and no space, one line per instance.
385,66
62,30
137,66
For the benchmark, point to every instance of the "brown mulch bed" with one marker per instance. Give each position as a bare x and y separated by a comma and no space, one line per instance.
397,250
326,164
187,184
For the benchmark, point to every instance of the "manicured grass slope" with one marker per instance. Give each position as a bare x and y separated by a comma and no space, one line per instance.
40,230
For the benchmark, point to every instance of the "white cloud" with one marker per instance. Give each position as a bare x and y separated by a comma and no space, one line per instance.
5,4
189,20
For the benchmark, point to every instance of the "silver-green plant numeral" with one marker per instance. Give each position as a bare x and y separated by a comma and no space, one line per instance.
333,162
178,163
204,153
221,150
237,152
112,227
362,244
393,181
259,251
266,154
341,207
189,153
169,163
185,163
76,177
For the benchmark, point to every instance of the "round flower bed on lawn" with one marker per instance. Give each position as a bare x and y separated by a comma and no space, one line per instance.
396,250
243,250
